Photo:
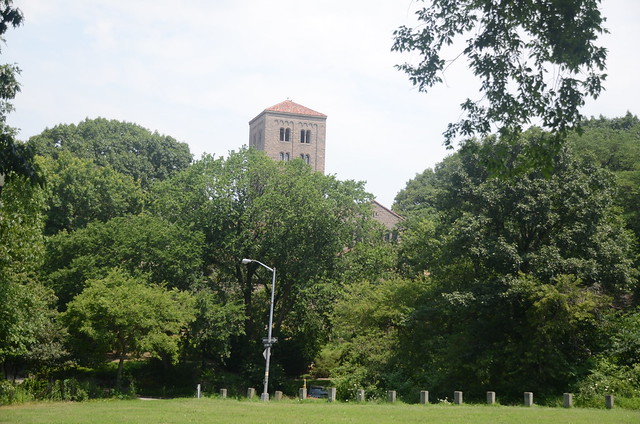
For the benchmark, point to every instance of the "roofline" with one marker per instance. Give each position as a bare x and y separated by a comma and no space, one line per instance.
387,209
298,115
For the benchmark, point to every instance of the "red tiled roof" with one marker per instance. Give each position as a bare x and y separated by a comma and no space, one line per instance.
290,107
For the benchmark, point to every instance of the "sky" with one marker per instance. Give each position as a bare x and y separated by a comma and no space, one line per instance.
200,70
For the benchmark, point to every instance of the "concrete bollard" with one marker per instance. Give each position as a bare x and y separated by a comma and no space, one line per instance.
223,393
457,397
608,401
251,392
391,396
331,394
302,393
567,400
424,397
491,398
360,395
277,395
198,391
528,398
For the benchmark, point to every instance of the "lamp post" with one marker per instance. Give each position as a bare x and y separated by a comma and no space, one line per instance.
269,341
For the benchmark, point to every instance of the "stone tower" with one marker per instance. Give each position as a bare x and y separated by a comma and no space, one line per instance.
287,131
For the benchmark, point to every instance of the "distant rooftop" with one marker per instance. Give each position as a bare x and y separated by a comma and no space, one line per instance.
289,106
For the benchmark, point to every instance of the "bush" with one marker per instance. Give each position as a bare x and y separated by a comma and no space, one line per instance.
608,379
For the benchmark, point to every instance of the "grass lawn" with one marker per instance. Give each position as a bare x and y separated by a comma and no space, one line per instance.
203,411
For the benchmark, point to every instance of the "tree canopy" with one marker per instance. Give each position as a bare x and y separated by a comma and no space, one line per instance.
127,148
147,247
535,60
284,214
16,159
126,315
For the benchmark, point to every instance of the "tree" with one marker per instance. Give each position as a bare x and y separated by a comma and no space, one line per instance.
300,222
147,247
521,269
535,60
125,315
82,192
16,159
29,333
532,223
615,145
217,321
127,148
365,340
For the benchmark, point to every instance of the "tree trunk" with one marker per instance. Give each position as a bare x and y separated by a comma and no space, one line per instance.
119,374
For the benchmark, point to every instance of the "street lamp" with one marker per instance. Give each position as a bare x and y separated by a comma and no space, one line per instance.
269,341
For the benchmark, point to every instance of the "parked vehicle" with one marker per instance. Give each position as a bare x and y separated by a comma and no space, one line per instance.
317,392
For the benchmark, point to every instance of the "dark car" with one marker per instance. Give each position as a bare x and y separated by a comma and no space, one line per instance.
317,392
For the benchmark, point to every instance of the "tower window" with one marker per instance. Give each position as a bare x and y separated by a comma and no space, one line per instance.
285,134
307,159
281,156
286,156
305,136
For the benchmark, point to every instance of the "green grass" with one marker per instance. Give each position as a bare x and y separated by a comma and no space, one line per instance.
203,411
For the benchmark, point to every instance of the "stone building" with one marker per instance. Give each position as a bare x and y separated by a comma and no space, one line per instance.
388,218
287,131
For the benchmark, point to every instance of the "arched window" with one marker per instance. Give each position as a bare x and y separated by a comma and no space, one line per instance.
286,156
302,133
287,134
307,137
281,156
281,134
307,159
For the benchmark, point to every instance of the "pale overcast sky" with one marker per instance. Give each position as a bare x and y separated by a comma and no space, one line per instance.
199,70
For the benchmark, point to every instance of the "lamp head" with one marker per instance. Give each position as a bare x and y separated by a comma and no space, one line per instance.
247,261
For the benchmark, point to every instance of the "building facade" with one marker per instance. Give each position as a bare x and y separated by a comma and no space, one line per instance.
287,131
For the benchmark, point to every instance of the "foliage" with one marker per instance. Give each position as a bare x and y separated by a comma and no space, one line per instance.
285,215
82,192
217,321
615,145
127,148
606,378
367,322
16,159
29,333
535,59
523,270
145,246
125,315
532,223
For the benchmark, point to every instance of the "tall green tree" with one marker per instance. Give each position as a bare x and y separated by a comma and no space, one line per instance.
283,214
125,315
16,159
128,148
29,334
82,192
522,270
614,143
536,60
146,246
